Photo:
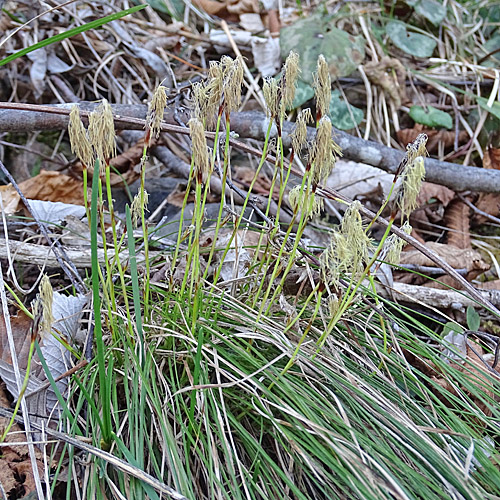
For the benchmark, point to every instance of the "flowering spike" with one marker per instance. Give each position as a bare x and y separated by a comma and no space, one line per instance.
233,80
294,198
323,86
348,249
323,151
288,80
139,205
199,101
270,90
199,150
156,111
102,131
394,245
214,91
46,300
411,182
299,134
79,139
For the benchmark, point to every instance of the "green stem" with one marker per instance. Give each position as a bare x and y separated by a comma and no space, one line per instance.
99,340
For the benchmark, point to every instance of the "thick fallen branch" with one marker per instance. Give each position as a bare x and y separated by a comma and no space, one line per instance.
30,117
434,297
42,255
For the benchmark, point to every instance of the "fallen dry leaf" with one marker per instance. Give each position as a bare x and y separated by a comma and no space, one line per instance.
489,285
46,186
40,397
488,203
429,190
53,186
457,219
20,325
10,199
447,137
432,202
16,473
491,158
229,9
456,257
390,75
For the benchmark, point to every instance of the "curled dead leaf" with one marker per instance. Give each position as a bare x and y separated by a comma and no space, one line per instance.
446,137
16,473
382,72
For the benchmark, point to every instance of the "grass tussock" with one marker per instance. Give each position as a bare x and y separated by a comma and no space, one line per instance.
232,388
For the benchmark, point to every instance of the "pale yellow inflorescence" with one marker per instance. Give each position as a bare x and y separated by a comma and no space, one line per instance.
102,131
393,246
279,94
199,100
288,82
411,181
297,198
348,249
270,89
156,110
294,197
138,207
200,155
299,134
213,91
233,80
323,151
323,86
79,139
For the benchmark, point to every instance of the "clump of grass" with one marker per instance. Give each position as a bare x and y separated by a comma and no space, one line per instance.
241,394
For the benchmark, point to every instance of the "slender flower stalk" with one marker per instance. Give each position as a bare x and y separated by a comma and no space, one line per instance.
201,172
154,118
102,136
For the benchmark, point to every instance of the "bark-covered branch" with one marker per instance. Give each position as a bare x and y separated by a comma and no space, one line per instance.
26,118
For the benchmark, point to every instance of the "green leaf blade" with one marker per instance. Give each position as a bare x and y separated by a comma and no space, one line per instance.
72,32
